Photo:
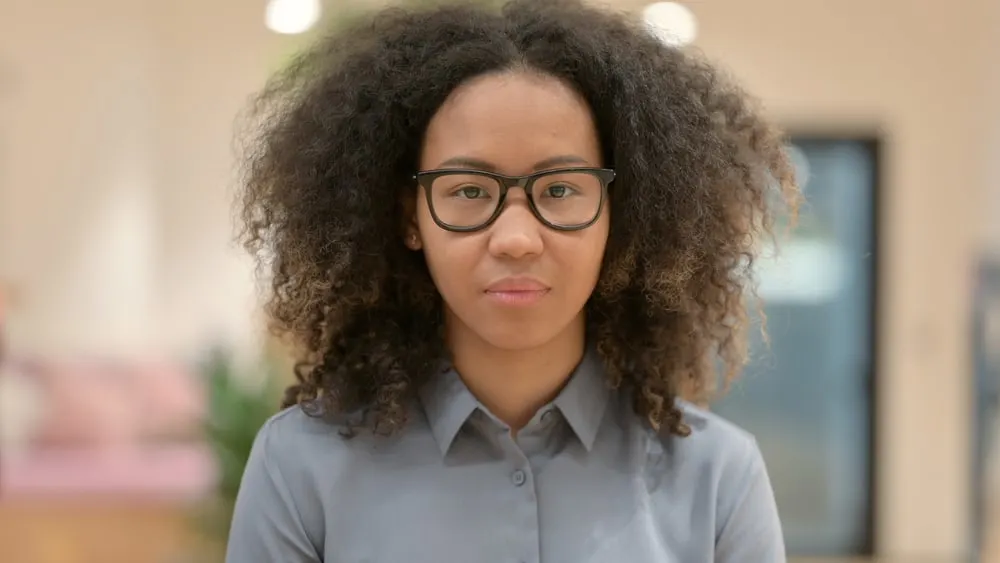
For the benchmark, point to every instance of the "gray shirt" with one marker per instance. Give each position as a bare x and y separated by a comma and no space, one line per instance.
586,481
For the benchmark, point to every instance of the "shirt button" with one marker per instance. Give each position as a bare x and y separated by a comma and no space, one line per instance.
547,415
518,477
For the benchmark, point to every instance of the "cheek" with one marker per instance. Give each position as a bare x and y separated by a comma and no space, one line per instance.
587,258
588,252
578,261
451,258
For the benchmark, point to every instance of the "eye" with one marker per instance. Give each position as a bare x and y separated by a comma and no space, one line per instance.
558,191
470,192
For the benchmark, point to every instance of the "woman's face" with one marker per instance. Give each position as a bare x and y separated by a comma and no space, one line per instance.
516,284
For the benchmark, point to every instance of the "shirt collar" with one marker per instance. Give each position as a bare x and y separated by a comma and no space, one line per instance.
584,399
448,403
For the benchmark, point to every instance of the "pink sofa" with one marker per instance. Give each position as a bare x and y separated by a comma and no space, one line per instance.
112,428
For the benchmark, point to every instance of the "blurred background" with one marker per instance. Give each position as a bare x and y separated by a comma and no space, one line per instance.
136,370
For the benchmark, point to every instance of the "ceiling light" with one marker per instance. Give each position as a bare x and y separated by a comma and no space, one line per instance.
291,16
672,22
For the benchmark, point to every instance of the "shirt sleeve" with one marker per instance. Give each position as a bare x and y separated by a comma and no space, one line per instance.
267,526
751,530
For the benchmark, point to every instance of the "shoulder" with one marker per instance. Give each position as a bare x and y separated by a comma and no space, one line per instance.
292,434
297,446
285,490
309,447
294,423
727,465
713,439
718,455
723,463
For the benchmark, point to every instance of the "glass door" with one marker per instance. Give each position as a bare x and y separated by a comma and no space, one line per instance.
807,397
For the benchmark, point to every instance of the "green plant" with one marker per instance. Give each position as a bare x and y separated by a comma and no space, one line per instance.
240,400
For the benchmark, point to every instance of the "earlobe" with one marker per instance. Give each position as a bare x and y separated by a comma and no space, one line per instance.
411,233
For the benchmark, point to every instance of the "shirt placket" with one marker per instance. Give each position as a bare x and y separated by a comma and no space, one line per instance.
521,488
520,502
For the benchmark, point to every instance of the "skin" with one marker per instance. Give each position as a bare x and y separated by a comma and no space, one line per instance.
514,358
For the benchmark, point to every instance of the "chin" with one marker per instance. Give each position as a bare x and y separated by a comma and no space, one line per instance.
517,337
510,332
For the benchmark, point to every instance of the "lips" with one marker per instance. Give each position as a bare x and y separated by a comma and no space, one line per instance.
516,285
517,291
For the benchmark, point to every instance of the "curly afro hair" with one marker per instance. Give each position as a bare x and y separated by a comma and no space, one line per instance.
337,137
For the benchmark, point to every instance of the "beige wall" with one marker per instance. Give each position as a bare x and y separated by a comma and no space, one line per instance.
211,55
115,163
915,72
990,211
76,175
115,127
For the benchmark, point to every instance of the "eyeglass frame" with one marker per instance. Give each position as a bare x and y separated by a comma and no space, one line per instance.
426,178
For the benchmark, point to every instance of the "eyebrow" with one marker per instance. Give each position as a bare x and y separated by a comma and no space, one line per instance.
480,164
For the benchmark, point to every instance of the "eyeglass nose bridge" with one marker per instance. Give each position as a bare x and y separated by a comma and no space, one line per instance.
508,183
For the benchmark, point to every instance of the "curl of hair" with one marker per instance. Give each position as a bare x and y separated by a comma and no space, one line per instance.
337,136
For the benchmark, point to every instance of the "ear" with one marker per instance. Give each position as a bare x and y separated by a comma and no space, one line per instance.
409,228
413,241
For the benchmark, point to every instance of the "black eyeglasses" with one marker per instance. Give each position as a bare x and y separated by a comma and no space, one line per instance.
566,199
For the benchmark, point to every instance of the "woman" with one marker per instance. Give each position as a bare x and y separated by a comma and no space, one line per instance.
505,244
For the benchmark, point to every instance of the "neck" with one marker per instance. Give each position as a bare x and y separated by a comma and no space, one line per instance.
515,384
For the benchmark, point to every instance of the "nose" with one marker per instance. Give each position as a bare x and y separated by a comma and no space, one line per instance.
516,233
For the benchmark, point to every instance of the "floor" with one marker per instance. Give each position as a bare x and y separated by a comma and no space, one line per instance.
63,531
993,542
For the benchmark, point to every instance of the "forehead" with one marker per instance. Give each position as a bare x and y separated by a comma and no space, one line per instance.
513,120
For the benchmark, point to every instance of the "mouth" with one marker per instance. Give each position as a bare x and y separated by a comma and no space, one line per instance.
517,297
517,291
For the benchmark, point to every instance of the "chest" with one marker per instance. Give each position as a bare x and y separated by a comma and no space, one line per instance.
570,507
